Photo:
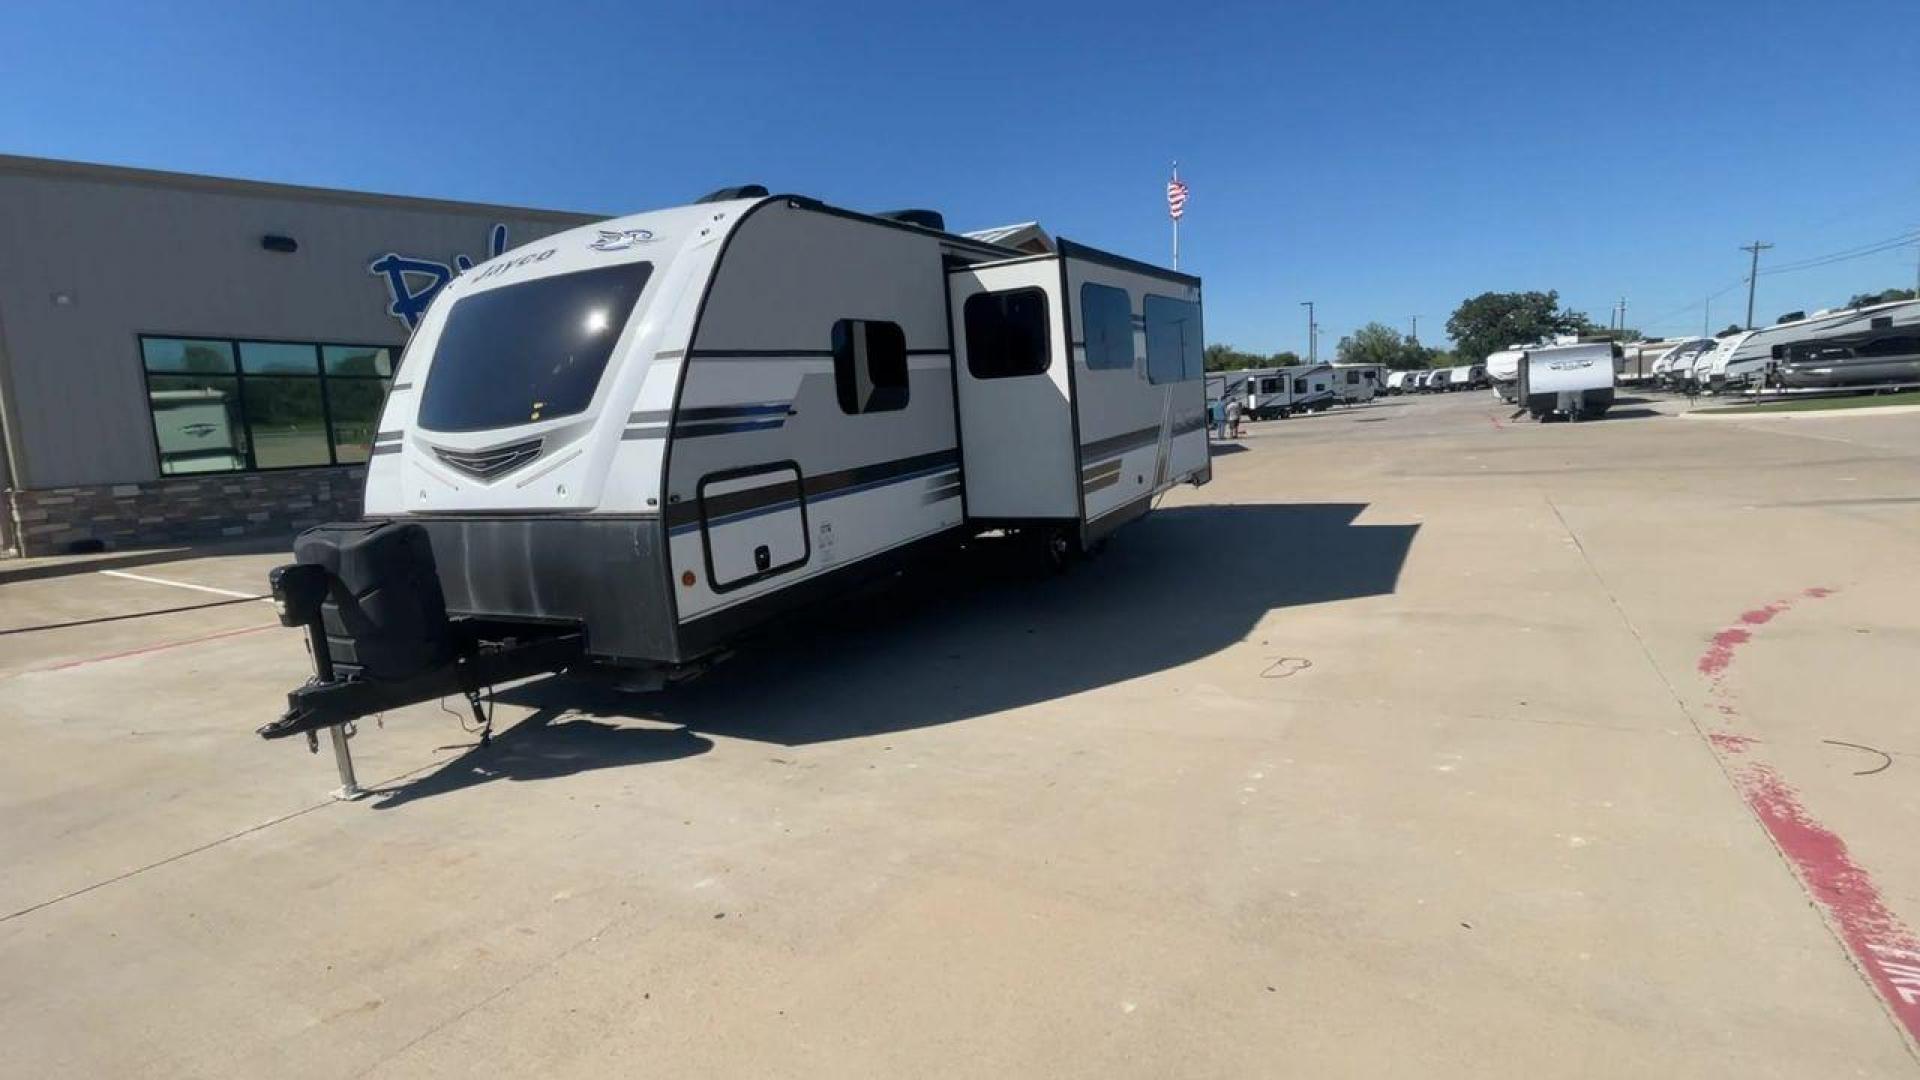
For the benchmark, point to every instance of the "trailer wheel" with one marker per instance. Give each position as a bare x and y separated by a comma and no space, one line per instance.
1058,549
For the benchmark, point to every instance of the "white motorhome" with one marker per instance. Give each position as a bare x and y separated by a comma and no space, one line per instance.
1575,381
1503,371
637,440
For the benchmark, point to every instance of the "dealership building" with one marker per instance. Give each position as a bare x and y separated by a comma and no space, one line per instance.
190,357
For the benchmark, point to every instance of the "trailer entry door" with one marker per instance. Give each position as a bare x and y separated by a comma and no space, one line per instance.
1015,391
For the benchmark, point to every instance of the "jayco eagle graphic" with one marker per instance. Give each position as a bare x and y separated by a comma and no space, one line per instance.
620,239
413,282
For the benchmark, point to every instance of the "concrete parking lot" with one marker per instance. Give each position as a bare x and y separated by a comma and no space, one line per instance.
1423,742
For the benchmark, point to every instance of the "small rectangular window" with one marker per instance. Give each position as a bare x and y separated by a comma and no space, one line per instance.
869,366
1108,319
1175,347
1007,334
278,358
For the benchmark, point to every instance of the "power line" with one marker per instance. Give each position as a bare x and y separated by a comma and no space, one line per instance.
1859,252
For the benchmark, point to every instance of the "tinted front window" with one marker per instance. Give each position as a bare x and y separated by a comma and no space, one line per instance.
528,352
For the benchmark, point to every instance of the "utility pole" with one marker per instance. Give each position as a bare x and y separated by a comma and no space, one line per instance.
1623,315
1753,274
1313,334
1706,319
1415,336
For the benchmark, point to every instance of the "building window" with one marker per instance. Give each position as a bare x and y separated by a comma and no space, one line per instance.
1108,319
1175,349
1007,334
222,405
869,366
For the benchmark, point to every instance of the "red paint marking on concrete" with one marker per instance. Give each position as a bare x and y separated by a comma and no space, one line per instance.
1885,949
1494,420
1719,656
1730,742
143,650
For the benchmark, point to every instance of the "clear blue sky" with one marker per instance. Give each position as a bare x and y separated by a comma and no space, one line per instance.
1384,159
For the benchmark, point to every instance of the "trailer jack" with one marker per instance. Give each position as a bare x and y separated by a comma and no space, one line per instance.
484,655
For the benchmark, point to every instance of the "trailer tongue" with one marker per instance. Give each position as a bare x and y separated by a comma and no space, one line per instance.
368,595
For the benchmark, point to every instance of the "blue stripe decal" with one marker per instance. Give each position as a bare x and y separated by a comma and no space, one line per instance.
697,431
694,526
726,412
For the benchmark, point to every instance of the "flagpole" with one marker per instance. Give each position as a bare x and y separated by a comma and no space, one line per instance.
1176,224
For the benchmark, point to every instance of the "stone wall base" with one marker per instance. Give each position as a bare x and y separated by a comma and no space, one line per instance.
54,521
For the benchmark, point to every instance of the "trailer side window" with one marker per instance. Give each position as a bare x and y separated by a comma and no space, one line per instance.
1108,319
1007,334
869,366
1175,347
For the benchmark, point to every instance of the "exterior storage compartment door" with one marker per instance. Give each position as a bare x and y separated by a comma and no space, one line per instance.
753,524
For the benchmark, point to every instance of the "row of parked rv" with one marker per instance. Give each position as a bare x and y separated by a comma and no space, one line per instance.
1877,345
1438,380
1277,392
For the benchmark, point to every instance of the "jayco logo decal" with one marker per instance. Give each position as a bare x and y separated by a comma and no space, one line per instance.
620,239
413,282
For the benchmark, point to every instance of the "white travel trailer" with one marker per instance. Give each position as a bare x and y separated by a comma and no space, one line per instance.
1678,355
1575,381
1309,387
1746,365
630,443
1503,371
1269,394
1880,345
1437,380
1397,382
1694,378
1355,384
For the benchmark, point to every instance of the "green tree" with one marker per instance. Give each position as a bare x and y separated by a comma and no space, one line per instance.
1492,321
1881,297
1378,343
1227,358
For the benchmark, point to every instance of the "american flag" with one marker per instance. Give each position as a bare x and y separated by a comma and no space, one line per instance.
1176,197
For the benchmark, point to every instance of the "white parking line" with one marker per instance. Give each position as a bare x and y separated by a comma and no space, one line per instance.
185,585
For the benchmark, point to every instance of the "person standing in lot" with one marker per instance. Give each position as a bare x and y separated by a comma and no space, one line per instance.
1232,425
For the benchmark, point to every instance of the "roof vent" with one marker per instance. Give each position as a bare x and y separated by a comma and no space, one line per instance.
729,194
926,219
1791,316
